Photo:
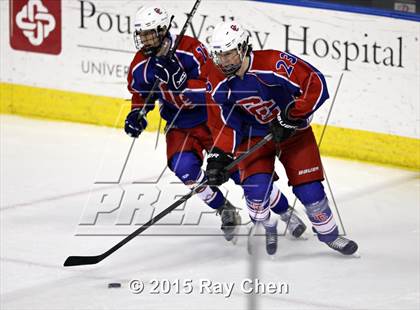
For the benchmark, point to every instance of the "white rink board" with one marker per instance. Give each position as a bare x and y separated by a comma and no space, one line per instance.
381,97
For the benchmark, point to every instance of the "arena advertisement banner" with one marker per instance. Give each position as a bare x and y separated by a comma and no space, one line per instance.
371,62
36,26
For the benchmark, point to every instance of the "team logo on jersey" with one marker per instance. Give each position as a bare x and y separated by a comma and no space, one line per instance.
321,217
234,28
157,10
36,26
264,111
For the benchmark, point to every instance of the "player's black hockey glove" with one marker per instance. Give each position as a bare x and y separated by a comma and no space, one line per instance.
284,126
170,72
135,123
216,171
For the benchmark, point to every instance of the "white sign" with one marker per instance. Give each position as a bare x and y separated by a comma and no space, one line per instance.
377,57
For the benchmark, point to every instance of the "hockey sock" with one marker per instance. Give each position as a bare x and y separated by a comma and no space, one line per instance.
212,196
313,197
257,189
278,202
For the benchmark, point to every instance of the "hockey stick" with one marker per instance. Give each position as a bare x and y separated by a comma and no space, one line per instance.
169,55
90,260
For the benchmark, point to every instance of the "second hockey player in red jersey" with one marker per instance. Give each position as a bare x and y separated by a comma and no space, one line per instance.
259,92
181,95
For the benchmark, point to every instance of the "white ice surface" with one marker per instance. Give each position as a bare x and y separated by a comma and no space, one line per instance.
48,170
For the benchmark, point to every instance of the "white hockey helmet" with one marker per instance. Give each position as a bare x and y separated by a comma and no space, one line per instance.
146,19
229,36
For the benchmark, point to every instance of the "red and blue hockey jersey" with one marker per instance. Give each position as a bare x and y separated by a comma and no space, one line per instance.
183,110
273,80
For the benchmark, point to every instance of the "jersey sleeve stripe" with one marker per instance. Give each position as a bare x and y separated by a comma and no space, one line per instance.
194,89
145,71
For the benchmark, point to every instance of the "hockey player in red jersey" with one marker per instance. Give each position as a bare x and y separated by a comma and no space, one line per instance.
259,92
181,96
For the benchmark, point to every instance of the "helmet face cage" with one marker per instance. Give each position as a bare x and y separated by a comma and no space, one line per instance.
232,68
146,45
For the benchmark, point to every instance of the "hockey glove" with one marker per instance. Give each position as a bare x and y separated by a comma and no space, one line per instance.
135,123
284,127
216,171
170,72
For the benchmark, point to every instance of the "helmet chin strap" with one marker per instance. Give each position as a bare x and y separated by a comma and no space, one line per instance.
241,53
242,56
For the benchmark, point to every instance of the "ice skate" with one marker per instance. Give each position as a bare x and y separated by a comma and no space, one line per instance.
343,245
231,220
271,238
295,225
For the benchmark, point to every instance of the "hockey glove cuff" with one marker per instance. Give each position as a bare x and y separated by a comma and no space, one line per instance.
216,171
284,126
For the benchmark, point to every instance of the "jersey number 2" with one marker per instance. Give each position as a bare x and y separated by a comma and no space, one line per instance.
283,64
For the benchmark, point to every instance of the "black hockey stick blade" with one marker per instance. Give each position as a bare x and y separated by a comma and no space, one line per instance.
83,260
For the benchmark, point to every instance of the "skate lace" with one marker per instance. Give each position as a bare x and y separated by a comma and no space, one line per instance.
338,243
271,234
271,238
